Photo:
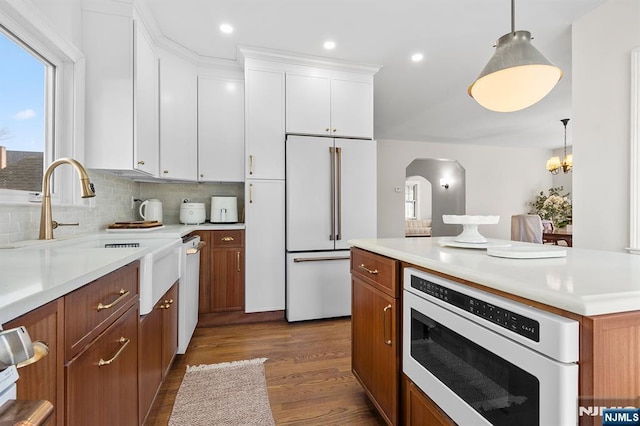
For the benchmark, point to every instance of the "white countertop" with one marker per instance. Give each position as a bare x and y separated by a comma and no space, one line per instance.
36,272
586,282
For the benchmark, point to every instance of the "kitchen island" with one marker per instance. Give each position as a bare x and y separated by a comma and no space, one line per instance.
599,291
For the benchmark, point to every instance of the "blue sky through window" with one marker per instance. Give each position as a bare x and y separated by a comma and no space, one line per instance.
22,98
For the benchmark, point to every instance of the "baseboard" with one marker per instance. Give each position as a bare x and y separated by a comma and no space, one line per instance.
238,317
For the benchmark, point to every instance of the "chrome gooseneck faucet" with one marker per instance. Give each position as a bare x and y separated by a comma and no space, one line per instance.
46,222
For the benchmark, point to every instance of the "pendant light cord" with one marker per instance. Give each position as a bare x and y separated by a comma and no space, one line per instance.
565,121
513,17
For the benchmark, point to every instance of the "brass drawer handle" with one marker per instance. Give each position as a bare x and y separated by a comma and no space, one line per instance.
124,342
371,271
238,260
226,239
123,294
251,164
384,325
141,162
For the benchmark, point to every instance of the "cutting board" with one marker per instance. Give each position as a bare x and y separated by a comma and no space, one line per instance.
135,224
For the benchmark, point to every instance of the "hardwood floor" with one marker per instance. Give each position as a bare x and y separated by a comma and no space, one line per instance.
308,372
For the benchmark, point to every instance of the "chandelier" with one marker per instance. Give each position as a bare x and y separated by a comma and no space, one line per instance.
553,164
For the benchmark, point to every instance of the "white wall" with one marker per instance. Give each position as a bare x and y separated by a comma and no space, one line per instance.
500,180
602,45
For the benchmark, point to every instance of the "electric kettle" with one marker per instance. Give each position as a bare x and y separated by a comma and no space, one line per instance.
151,210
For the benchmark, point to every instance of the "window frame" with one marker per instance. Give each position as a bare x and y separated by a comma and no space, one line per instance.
64,103
413,201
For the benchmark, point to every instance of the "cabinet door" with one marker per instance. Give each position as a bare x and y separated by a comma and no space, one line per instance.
169,328
179,115
420,410
308,105
107,43
375,347
44,379
106,393
220,129
150,357
351,108
264,242
227,293
265,112
146,140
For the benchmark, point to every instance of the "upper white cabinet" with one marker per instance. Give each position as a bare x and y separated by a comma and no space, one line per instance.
121,122
331,106
220,129
265,114
178,118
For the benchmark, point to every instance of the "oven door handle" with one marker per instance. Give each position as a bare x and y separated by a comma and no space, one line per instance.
384,325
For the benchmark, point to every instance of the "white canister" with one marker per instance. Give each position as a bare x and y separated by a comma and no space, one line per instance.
192,213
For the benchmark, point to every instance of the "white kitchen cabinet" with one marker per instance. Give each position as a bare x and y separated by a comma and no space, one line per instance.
220,129
265,117
121,109
178,118
330,106
264,245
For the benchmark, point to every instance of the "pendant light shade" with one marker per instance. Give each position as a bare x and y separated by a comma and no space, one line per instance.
517,75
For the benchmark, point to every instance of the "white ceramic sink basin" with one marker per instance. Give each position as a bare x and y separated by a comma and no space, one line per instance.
159,261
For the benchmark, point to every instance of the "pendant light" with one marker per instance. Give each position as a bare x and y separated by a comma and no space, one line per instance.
553,164
517,75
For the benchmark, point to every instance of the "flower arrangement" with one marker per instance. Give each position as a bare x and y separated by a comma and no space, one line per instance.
554,207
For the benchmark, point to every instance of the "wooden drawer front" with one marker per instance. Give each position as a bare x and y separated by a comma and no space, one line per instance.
377,270
230,238
90,309
102,380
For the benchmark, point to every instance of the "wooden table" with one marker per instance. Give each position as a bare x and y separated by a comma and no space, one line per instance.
558,235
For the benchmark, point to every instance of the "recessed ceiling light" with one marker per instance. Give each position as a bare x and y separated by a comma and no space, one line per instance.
417,57
329,45
226,28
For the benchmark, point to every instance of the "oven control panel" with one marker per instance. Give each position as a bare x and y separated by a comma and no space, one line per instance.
509,320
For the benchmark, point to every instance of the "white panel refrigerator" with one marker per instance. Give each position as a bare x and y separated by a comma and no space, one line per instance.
330,199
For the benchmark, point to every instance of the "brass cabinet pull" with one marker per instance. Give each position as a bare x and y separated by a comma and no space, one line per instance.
165,171
226,239
339,191
384,325
141,163
40,350
123,293
371,271
124,342
335,130
332,207
327,129
238,260
251,164
250,193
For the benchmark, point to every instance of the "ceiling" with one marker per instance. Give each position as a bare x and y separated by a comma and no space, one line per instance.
425,101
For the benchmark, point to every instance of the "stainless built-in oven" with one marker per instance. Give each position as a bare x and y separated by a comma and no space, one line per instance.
484,359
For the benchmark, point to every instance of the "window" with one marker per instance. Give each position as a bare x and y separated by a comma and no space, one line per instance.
24,84
50,99
410,200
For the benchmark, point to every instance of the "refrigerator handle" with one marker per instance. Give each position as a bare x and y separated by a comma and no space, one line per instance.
339,190
332,237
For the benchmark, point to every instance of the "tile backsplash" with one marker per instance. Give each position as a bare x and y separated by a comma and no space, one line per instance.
19,222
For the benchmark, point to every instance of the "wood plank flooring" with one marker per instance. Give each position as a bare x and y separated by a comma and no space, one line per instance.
308,372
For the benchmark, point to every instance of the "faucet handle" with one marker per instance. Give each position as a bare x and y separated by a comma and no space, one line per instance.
56,224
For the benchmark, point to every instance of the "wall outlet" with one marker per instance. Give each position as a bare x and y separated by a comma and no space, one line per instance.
397,189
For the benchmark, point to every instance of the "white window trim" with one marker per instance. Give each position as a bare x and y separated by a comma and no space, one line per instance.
416,206
67,126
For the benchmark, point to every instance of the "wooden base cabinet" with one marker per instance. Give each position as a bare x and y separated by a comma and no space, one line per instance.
376,337
419,409
44,379
102,380
157,348
221,271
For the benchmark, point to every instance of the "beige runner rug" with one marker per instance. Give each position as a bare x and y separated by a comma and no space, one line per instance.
230,393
